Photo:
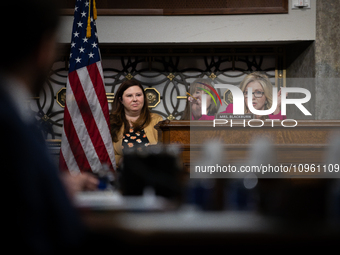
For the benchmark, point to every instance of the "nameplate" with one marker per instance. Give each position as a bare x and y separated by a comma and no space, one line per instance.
231,116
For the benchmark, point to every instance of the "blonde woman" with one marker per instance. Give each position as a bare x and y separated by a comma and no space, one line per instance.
262,96
193,109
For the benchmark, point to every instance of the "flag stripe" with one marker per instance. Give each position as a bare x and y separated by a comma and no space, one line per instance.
62,163
98,85
75,146
79,125
101,114
67,162
82,98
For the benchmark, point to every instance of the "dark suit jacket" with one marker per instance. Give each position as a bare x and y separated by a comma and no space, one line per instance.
38,215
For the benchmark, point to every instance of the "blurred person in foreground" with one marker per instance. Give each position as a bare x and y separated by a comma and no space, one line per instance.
132,123
38,210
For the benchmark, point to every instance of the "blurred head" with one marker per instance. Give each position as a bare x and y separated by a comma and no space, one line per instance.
262,90
29,39
196,91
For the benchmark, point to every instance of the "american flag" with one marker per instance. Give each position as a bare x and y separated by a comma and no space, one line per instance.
86,140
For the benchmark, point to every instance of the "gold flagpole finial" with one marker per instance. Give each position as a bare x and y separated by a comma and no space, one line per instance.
94,10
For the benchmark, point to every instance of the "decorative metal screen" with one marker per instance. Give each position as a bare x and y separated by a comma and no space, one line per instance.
166,80
165,72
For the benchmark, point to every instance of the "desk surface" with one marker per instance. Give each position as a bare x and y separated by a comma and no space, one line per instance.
187,226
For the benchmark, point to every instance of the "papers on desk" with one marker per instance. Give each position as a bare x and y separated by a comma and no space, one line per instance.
112,200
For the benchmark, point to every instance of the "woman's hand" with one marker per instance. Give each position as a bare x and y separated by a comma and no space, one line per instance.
195,105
